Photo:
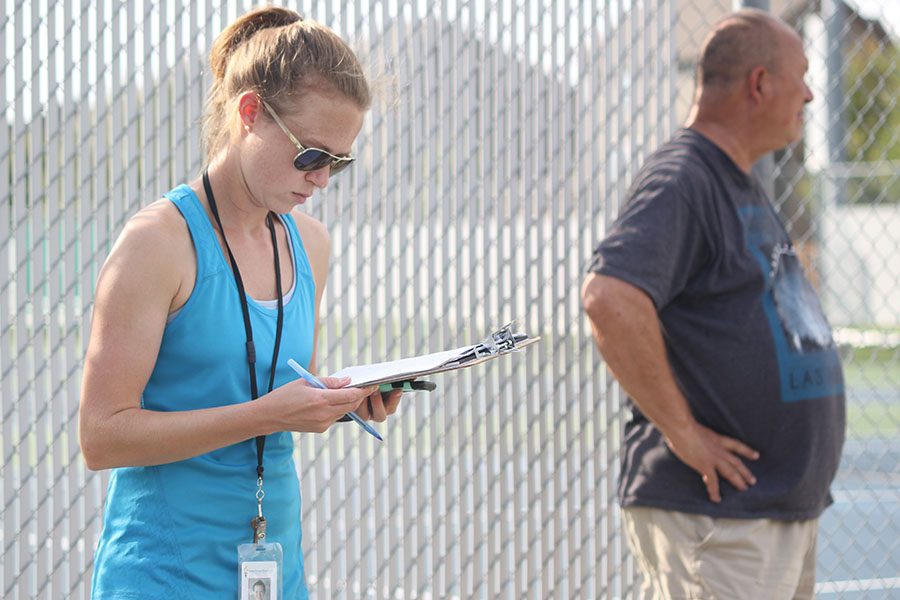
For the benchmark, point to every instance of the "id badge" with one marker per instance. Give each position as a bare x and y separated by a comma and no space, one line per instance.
259,571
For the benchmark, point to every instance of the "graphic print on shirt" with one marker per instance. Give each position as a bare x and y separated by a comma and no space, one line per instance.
808,360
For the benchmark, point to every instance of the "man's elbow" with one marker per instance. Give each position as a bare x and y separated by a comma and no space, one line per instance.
595,298
612,303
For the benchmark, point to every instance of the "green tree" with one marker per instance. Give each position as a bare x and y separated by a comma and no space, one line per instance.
872,81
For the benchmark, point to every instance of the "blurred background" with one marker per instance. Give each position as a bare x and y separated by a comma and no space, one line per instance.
500,147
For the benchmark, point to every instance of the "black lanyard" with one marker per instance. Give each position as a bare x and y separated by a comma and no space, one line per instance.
251,349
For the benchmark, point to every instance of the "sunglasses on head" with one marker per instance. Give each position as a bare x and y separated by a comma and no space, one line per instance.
310,159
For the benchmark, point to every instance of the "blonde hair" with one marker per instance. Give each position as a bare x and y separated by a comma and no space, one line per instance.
276,53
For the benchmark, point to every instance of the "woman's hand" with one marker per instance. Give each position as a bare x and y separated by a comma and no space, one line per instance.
377,406
297,406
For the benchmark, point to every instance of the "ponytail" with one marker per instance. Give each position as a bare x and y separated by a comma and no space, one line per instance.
276,53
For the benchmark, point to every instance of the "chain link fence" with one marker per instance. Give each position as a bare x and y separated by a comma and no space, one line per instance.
502,143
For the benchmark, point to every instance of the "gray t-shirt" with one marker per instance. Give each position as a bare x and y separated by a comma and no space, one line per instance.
744,331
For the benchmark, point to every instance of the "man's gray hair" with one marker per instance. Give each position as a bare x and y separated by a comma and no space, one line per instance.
737,44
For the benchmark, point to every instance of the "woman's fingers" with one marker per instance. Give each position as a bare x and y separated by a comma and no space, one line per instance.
373,407
378,406
335,382
392,401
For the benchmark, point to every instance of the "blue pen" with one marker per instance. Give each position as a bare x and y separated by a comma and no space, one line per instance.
314,381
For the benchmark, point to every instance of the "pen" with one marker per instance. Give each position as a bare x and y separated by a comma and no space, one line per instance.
314,381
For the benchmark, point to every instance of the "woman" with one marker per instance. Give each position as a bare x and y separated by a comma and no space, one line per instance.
168,376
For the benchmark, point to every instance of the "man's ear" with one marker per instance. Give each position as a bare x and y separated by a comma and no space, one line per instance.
758,84
248,108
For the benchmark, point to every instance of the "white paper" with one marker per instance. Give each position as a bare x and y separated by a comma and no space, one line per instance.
397,369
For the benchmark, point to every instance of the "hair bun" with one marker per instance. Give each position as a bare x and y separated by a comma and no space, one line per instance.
242,30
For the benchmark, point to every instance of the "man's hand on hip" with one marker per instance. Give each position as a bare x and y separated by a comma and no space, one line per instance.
713,455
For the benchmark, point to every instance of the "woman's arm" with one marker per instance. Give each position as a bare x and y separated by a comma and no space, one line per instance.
145,273
317,243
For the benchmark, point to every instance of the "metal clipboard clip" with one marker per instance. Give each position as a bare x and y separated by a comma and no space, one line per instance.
502,341
505,340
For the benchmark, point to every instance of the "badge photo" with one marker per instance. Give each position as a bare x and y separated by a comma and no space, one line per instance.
259,580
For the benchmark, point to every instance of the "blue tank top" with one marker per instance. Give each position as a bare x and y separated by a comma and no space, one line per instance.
172,531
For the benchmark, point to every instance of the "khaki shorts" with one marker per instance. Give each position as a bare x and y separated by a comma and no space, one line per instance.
685,556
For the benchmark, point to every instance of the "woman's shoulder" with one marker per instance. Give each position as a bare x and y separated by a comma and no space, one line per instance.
312,230
154,245
159,224
316,241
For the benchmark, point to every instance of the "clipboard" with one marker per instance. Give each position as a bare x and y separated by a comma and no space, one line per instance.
501,342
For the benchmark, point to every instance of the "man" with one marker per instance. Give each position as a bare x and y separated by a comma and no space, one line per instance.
259,590
700,308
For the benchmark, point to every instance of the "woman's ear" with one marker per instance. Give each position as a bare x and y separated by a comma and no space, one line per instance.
248,109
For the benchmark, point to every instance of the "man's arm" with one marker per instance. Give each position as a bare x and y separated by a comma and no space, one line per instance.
627,332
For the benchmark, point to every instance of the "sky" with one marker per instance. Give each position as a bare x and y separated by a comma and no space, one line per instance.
888,11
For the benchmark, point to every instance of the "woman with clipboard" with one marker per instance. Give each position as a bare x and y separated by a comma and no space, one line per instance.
207,293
